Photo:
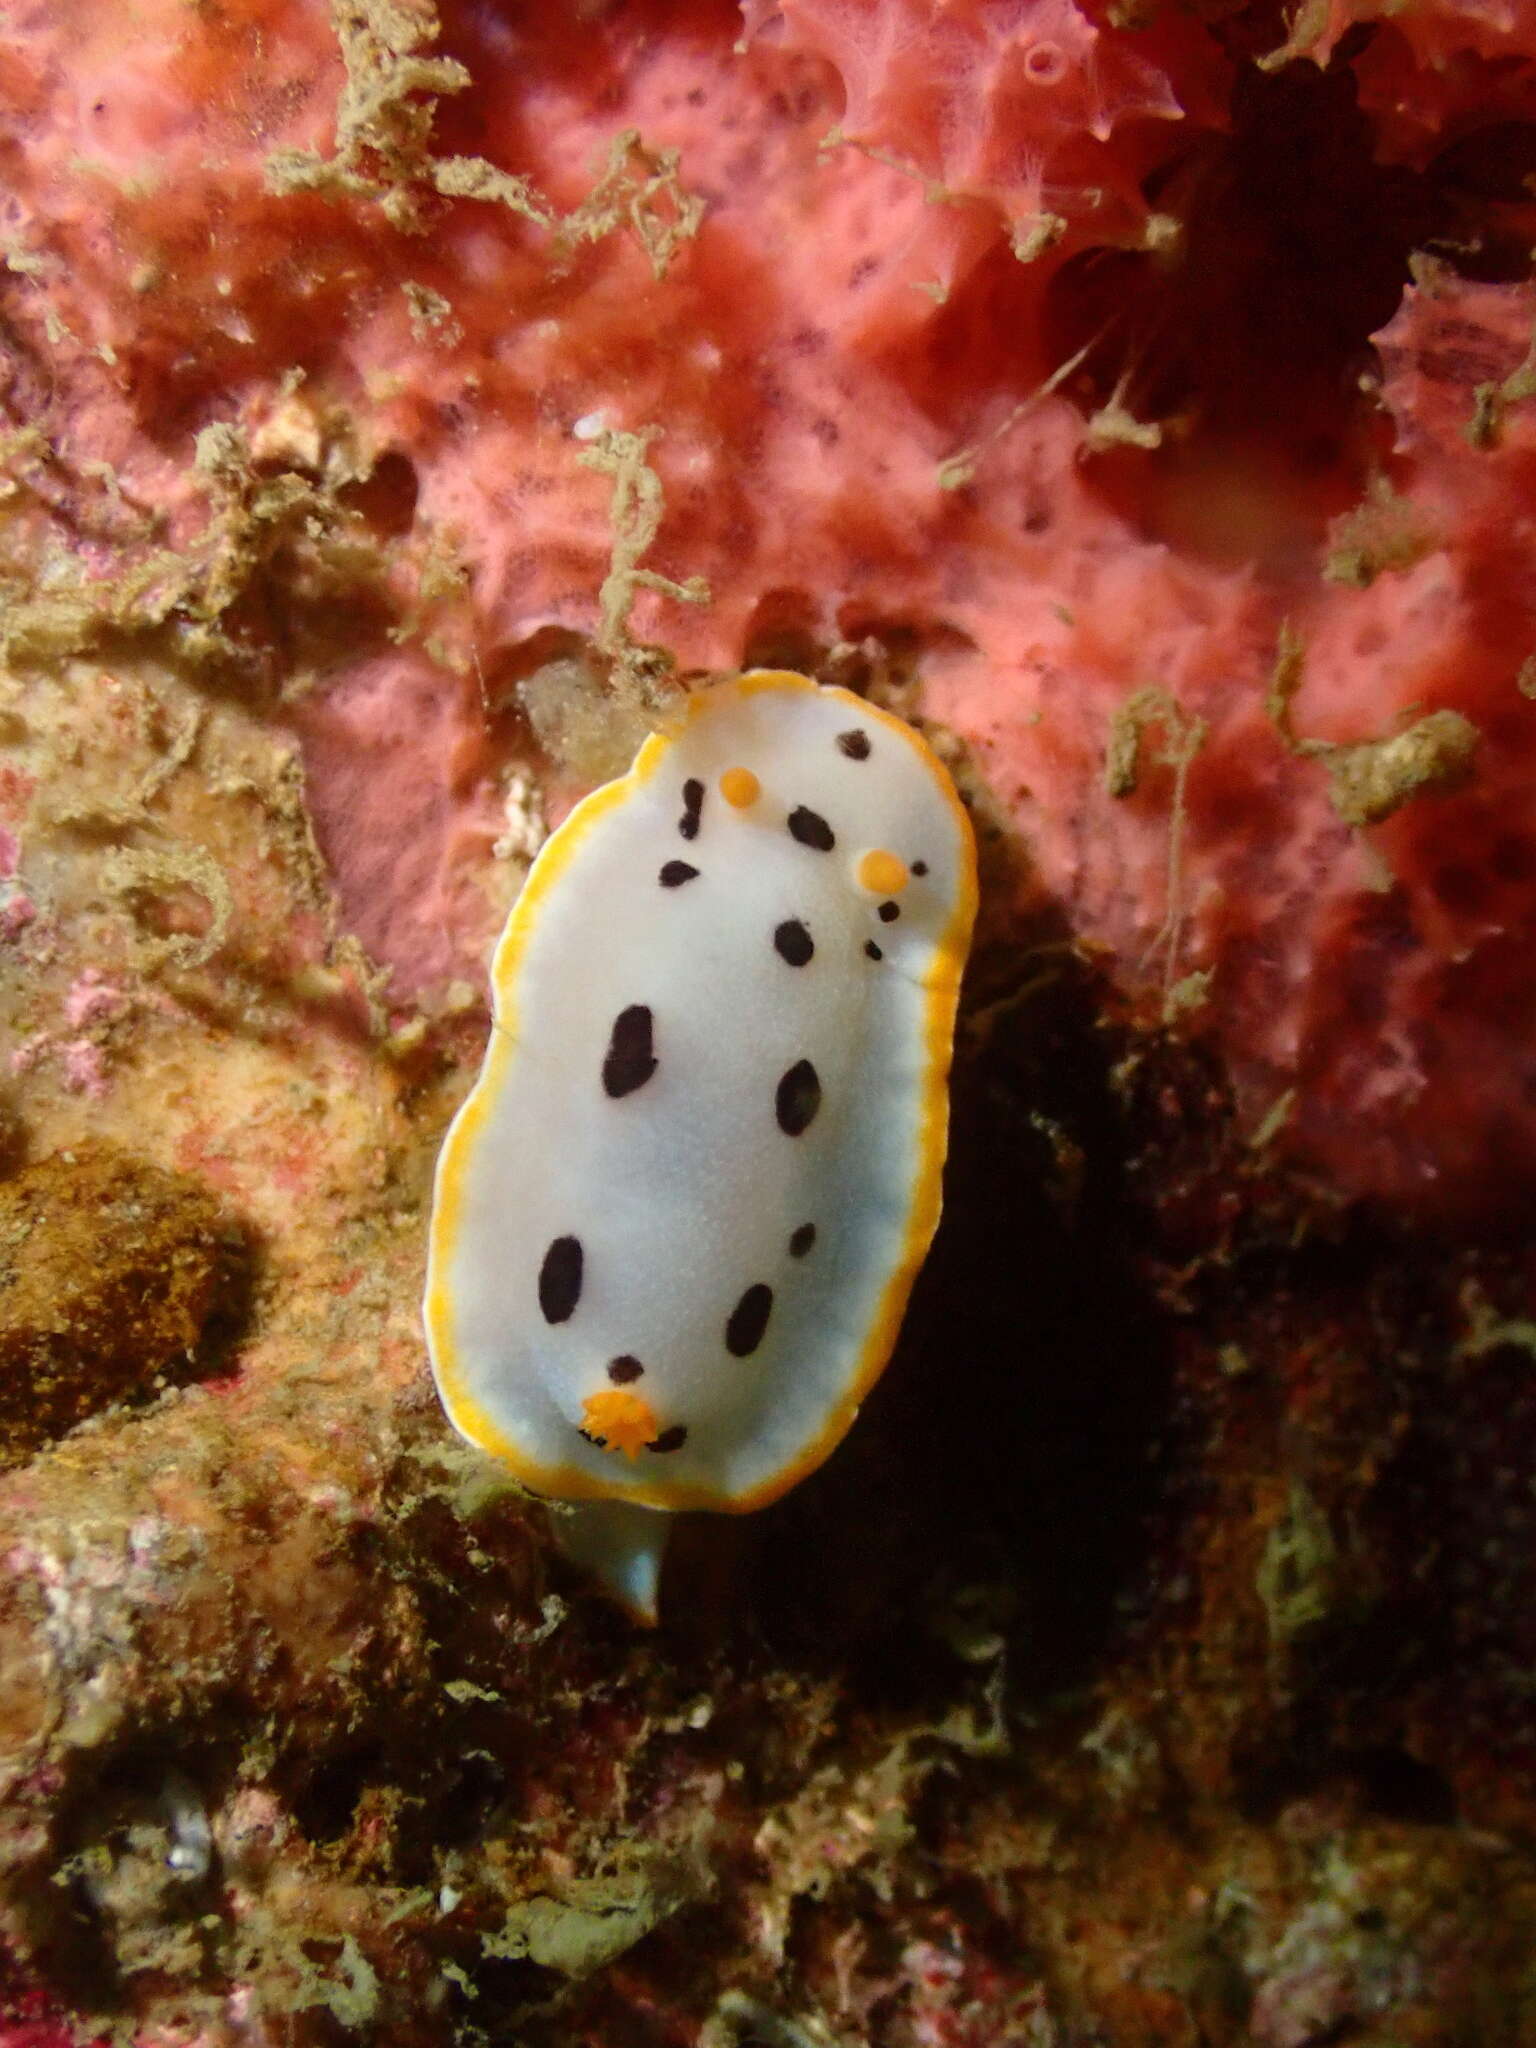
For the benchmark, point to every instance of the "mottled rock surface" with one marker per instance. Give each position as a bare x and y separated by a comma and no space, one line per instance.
399,404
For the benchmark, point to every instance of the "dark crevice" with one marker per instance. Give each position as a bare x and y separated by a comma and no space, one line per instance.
1379,1782
1245,336
386,497
1246,339
1003,1465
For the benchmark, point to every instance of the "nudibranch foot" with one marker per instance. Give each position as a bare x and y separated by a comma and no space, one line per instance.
621,1547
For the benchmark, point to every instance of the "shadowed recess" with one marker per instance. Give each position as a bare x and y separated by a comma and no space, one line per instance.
1007,1445
1242,344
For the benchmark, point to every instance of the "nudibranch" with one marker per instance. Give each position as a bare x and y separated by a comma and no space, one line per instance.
677,1219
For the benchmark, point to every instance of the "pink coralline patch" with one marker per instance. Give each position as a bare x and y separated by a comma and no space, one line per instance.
17,911
407,849
91,999
23,2033
25,1056
271,1160
29,2018
85,1068
10,853
16,789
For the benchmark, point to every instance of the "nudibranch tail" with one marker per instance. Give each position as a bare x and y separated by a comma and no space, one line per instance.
622,1548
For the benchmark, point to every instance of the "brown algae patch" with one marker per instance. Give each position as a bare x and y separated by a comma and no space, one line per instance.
110,1271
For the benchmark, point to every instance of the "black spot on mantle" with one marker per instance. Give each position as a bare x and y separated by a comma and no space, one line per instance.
793,943
797,1098
693,806
560,1279
630,1060
748,1322
811,829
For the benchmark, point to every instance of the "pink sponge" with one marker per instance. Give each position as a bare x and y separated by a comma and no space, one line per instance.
1031,106
1316,794
1031,337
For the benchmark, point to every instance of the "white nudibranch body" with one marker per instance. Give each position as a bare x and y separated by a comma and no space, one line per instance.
678,1218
